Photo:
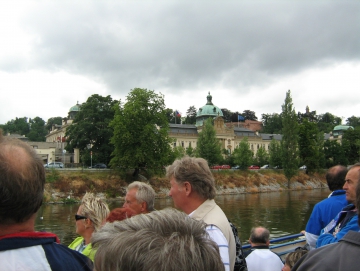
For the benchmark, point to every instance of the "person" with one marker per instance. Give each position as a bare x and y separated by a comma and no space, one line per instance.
21,193
347,219
158,241
140,197
260,257
343,255
89,218
292,258
119,214
193,191
327,209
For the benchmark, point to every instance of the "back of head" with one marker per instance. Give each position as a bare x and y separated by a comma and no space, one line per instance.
158,241
196,171
259,235
119,214
294,256
95,209
335,177
357,203
21,183
144,193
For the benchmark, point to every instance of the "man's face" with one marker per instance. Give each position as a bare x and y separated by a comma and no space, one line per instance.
132,203
351,180
177,192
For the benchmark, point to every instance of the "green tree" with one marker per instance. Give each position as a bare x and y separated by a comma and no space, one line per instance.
178,152
275,156
141,133
51,122
353,121
190,151
249,115
350,144
37,130
289,141
272,123
208,146
191,115
327,122
242,154
261,157
91,126
17,126
334,154
310,148
227,114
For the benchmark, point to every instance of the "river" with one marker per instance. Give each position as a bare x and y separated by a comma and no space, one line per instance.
282,213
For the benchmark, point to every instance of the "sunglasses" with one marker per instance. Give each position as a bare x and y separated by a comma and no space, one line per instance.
78,217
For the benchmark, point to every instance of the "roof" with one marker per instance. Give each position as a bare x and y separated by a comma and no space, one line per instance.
342,127
209,109
75,107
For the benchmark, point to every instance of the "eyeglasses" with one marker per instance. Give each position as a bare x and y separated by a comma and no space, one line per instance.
78,217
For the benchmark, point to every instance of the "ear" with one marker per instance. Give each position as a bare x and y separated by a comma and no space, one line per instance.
187,188
143,207
88,223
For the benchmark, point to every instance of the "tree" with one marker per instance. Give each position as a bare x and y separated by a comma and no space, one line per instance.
179,152
226,114
310,148
353,121
249,115
272,123
327,122
289,142
51,122
208,146
190,151
261,157
17,126
350,144
141,133
191,115
242,154
275,156
91,128
37,130
334,154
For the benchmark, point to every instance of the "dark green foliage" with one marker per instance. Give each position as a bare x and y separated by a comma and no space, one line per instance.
351,145
37,130
275,157
272,123
17,126
249,115
261,157
208,146
190,115
353,121
289,143
141,133
243,155
334,154
91,126
51,122
327,122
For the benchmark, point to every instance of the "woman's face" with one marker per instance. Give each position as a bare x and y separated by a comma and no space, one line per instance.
80,224
286,268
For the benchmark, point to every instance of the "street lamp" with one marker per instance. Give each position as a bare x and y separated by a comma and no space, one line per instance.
89,147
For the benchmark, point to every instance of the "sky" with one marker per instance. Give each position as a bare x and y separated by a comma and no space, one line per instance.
247,54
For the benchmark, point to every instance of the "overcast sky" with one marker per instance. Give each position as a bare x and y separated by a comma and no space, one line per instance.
247,54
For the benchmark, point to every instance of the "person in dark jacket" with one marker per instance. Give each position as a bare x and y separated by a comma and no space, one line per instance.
22,180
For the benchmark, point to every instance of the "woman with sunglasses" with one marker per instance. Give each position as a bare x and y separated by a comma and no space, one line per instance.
89,218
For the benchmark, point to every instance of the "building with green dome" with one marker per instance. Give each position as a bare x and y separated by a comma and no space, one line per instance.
209,110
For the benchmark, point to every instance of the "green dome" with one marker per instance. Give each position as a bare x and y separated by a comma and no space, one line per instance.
207,111
342,127
75,108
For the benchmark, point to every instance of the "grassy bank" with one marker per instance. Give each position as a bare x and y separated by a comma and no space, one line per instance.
69,186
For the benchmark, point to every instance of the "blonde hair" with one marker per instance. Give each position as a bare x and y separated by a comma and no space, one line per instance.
95,209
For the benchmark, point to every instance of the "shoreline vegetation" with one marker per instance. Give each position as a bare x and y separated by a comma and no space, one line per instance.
70,186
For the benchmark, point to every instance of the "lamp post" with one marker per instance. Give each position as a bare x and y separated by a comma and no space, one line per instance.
89,147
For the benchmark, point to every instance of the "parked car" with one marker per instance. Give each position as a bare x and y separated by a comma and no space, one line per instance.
225,167
215,167
236,167
265,167
54,165
303,167
99,165
253,167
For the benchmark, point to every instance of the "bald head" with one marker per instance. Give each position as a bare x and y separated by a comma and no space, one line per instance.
259,236
22,181
335,177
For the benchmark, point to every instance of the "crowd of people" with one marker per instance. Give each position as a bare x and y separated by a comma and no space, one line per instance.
195,236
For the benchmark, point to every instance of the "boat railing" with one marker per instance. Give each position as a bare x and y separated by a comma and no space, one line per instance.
284,244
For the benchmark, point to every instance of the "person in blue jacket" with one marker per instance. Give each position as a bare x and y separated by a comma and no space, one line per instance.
327,209
347,219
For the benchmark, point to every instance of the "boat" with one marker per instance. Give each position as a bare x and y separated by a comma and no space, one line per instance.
285,244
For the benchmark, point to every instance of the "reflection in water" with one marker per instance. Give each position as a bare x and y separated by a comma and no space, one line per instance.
281,212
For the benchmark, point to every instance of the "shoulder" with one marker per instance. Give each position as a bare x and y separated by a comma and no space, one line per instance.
76,242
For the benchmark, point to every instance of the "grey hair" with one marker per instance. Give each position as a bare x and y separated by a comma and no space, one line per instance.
259,235
196,171
95,209
144,193
158,241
